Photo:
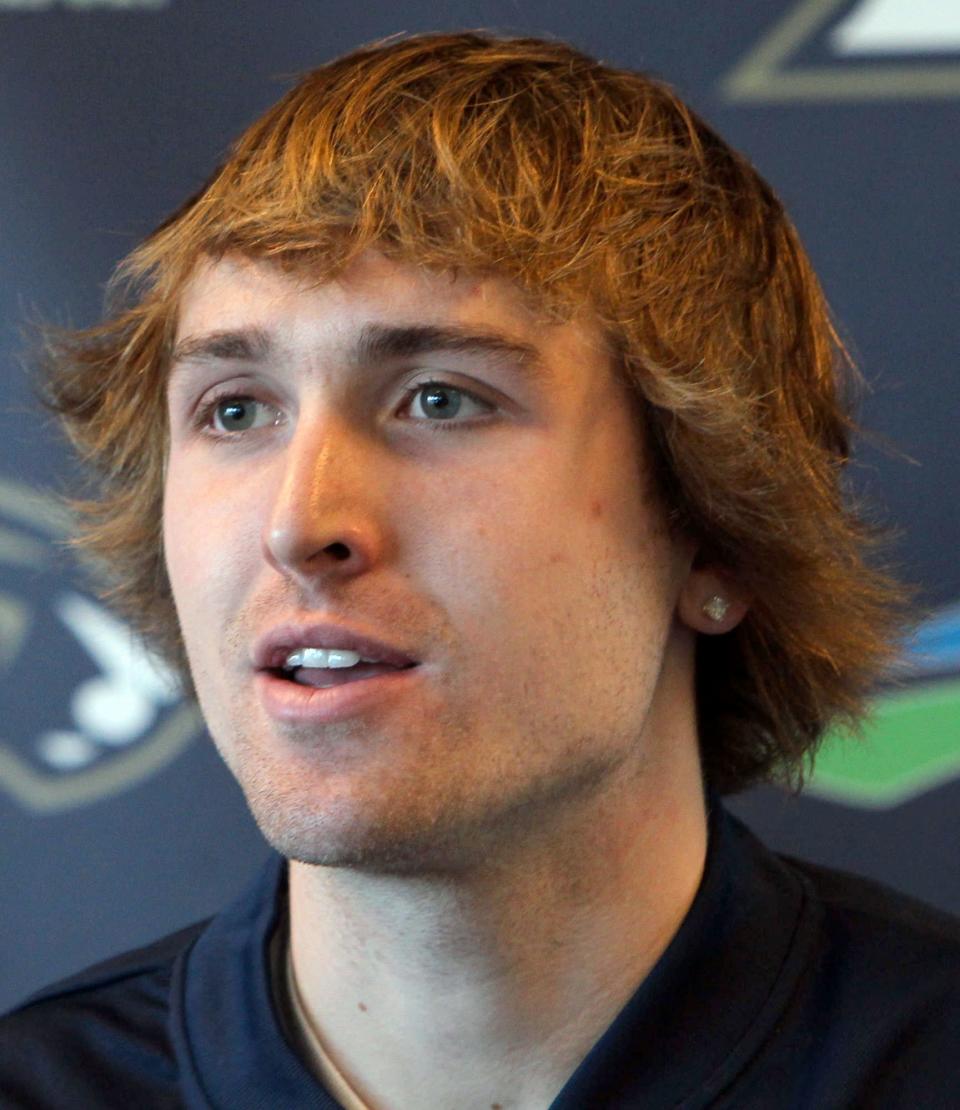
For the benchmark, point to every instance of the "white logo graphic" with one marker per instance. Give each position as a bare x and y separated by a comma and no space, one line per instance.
876,49
899,27
89,712
116,707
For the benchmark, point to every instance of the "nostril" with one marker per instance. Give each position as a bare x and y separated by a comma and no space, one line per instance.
338,550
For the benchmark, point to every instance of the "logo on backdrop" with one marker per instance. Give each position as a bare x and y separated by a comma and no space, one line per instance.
912,743
88,712
865,50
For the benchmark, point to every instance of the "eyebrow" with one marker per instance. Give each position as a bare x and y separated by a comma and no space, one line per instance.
376,343
240,345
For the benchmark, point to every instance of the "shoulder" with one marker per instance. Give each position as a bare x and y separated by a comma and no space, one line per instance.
881,927
888,955
125,969
97,1038
862,1006
879,994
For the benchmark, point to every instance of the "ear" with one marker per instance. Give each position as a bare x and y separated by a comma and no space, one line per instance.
711,601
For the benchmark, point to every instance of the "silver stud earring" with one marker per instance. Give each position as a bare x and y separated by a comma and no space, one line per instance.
715,607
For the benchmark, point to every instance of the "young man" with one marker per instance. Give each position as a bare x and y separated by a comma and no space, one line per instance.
473,443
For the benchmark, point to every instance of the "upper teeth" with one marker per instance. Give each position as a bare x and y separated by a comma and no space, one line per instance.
321,657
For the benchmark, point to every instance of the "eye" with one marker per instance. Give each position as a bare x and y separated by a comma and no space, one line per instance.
443,401
239,414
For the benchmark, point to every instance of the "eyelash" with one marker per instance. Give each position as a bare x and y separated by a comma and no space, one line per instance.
203,420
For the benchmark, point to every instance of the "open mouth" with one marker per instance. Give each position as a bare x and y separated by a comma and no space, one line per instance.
322,677
318,695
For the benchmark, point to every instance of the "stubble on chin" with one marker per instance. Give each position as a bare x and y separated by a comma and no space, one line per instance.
413,825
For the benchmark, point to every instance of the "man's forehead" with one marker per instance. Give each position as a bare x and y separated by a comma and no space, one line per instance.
380,304
372,274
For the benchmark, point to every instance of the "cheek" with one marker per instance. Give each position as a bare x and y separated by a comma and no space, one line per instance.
173,528
208,523
183,537
512,564
201,548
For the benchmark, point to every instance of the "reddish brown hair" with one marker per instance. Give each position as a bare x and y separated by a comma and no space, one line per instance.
588,186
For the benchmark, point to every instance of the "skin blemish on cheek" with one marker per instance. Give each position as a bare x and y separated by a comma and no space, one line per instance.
596,509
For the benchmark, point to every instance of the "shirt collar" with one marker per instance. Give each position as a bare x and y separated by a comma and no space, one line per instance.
699,1014
712,996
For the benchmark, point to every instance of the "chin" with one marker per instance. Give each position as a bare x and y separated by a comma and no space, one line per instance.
374,851
366,837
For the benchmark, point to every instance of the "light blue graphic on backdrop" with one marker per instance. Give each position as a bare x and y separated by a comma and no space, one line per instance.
935,649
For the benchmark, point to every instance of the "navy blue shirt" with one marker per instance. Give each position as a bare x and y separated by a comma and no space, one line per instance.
787,986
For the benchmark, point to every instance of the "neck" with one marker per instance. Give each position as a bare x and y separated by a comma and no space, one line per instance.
422,989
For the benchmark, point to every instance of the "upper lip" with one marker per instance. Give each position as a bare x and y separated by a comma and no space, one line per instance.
271,650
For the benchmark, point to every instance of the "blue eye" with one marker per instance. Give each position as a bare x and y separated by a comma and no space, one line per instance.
241,414
437,400
445,401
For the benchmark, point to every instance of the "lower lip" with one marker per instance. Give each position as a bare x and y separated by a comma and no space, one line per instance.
295,704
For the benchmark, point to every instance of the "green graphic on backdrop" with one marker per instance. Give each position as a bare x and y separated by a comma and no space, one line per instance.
911,745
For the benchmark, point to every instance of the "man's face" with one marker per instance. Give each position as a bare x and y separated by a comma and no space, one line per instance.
494,526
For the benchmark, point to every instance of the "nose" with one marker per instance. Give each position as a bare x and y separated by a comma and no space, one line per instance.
323,517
